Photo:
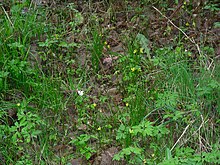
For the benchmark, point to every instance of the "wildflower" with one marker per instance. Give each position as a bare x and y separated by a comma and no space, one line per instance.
131,131
187,24
80,92
18,104
144,161
94,105
99,129
127,104
135,51
108,46
105,43
132,69
141,50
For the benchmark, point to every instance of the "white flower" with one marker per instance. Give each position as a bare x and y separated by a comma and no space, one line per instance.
80,92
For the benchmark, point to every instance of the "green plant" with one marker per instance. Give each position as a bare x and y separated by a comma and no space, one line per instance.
135,154
97,47
131,66
82,145
21,134
134,136
76,17
18,29
3,78
187,155
212,6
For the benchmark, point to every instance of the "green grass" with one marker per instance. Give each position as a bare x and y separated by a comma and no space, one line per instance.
157,105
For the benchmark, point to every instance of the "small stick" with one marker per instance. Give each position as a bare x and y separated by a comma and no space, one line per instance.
195,132
190,39
200,139
180,137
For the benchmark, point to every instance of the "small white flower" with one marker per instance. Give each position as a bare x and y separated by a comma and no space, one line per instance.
80,92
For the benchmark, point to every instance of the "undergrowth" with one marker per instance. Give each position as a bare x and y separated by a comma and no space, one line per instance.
65,94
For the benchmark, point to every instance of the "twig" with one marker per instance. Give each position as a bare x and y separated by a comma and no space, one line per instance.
200,140
196,130
217,57
208,146
190,39
180,137
7,16
41,153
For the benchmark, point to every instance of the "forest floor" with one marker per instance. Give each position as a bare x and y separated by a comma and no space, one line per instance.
109,82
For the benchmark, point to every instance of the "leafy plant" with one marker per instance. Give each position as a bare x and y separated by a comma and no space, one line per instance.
135,154
25,130
212,5
187,155
133,136
82,145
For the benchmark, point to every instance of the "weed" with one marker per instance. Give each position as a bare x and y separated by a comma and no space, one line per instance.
82,145
25,129
97,47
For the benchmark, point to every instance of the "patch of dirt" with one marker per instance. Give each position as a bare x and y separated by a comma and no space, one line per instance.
78,161
106,157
